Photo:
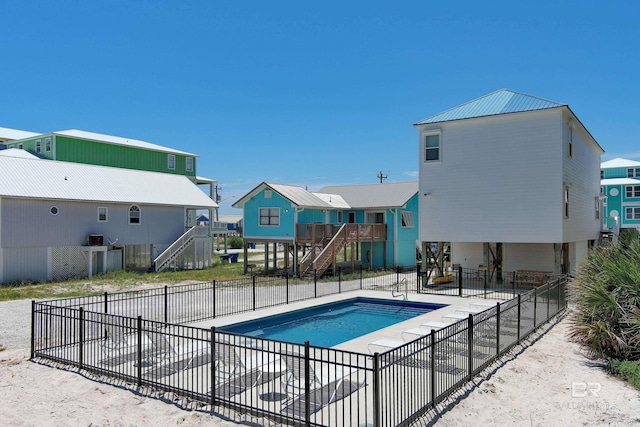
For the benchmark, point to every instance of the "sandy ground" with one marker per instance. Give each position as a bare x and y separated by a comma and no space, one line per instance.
550,383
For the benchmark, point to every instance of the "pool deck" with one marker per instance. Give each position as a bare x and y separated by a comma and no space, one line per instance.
360,344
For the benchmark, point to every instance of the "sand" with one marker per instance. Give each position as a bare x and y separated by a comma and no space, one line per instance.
549,383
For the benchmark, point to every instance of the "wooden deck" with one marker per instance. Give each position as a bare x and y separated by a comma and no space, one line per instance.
317,233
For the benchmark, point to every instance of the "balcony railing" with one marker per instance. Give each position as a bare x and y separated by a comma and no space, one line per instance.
322,233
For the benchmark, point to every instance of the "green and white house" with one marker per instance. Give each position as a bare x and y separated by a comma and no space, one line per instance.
512,181
620,189
370,225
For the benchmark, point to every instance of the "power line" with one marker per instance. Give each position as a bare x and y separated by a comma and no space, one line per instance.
382,177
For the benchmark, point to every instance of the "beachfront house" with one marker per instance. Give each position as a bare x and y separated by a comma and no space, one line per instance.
61,219
373,225
620,184
511,181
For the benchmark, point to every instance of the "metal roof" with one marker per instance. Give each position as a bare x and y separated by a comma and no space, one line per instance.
10,134
386,195
619,181
18,152
49,179
75,133
503,101
299,196
619,163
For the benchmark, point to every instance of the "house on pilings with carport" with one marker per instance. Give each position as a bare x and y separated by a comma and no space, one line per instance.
369,225
512,182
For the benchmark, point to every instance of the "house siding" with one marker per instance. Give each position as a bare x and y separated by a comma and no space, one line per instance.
23,264
105,154
76,220
252,229
495,180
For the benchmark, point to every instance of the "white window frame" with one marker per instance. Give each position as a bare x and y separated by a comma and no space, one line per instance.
171,161
566,201
376,213
570,147
47,144
135,208
425,136
339,217
269,217
188,164
38,146
21,146
632,213
633,189
406,219
10,146
633,172
106,214
597,207
54,210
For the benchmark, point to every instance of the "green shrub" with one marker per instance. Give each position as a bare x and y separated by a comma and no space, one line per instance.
606,290
627,370
235,242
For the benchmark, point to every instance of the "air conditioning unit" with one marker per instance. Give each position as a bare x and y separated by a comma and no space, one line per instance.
95,240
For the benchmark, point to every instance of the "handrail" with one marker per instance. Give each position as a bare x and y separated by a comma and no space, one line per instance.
397,287
340,234
178,246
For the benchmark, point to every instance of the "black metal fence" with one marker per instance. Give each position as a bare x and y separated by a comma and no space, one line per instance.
140,337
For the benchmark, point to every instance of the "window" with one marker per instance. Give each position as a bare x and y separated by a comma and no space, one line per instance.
270,216
633,190
10,145
570,141
407,219
339,217
566,202
601,174
632,213
47,144
21,146
171,161
431,148
351,218
633,173
134,215
102,214
375,217
189,164
38,146
597,207
54,210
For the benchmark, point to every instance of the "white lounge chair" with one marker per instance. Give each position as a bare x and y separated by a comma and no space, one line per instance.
119,340
163,352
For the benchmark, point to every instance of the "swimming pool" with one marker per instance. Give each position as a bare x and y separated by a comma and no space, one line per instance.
334,323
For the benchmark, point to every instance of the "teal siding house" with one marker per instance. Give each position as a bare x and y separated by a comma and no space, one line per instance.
373,225
620,194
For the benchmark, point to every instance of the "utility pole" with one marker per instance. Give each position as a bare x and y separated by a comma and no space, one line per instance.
381,177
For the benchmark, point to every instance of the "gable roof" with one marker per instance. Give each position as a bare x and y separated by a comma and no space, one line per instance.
503,101
18,152
53,180
117,140
11,134
619,181
294,193
619,163
386,195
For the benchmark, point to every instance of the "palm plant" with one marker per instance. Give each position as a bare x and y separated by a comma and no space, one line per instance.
606,293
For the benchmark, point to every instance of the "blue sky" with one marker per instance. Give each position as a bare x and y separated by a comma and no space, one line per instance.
309,93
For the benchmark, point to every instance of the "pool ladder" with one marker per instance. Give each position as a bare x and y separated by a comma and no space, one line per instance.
397,287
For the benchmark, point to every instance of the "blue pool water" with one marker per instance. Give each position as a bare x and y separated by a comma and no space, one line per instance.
331,324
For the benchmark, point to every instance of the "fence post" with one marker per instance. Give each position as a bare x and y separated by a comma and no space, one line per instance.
166,305
548,300
376,389
339,280
470,343
213,371
286,278
558,296
33,328
360,276
498,329
432,351
418,277
81,346
139,327
253,285
459,281
535,307
214,298
519,313
398,275
307,385
106,302
315,283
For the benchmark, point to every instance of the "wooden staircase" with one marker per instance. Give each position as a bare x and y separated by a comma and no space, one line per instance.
170,254
327,254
